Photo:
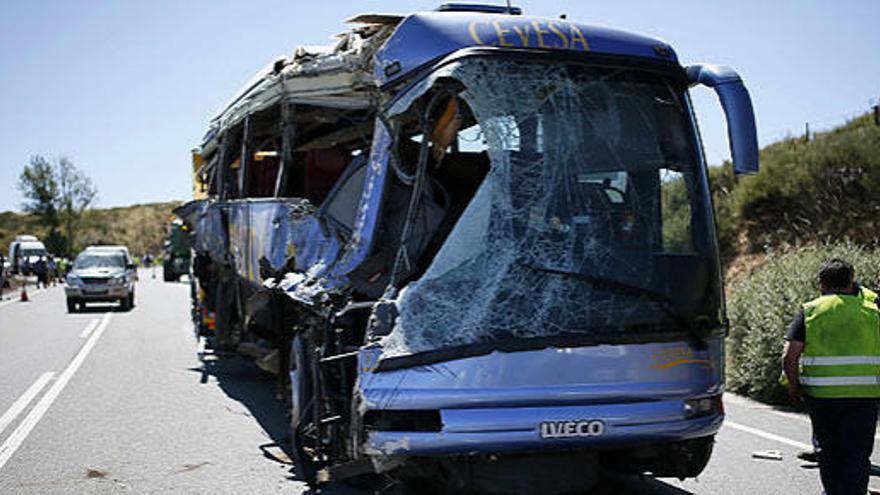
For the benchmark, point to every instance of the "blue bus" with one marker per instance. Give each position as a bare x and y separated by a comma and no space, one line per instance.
475,247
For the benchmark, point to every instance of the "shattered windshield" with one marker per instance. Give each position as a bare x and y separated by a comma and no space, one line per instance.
593,220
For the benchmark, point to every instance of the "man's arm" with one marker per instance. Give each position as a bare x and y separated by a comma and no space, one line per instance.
791,355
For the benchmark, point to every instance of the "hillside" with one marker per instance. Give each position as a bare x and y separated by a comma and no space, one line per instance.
824,190
140,227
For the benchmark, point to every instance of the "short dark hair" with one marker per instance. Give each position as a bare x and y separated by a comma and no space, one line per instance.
836,274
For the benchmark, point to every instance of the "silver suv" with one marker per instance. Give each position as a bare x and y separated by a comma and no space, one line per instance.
100,275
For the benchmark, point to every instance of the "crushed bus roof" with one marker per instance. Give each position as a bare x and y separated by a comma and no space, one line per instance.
337,76
384,48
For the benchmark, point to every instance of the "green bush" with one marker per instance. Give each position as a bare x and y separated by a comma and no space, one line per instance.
762,305
808,191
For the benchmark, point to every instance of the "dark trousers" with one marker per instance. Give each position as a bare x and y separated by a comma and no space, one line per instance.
844,429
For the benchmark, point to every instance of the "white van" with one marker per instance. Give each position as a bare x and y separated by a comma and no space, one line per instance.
24,251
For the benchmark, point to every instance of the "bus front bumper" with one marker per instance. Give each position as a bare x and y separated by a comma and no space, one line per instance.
502,430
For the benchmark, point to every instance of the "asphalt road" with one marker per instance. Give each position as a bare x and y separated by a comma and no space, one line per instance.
110,401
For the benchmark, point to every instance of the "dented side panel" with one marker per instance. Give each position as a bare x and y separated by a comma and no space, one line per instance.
276,231
310,245
212,236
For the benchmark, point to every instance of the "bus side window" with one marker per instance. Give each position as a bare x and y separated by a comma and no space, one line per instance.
342,204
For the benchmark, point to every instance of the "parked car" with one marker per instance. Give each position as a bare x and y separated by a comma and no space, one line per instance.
100,275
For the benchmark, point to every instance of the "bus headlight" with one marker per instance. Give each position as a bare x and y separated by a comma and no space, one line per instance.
703,406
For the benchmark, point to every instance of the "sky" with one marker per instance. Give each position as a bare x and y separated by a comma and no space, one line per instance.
125,89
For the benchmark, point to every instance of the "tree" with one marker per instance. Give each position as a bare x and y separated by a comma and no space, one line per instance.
39,186
58,193
76,192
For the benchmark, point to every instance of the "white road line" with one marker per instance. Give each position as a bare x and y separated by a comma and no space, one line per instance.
23,401
756,406
8,302
763,434
85,333
8,448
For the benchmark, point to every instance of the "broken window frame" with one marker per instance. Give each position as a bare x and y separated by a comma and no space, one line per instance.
355,167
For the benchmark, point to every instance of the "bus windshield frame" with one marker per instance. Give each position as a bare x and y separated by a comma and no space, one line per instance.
593,225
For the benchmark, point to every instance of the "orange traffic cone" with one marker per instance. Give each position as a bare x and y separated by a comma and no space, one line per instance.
24,296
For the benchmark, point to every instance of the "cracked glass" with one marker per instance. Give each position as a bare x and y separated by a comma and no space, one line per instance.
594,220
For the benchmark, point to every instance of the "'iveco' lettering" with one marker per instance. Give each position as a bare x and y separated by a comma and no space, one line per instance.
572,429
534,34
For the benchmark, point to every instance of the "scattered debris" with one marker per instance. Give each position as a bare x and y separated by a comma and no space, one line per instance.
275,453
773,455
95,473
192,467
242,413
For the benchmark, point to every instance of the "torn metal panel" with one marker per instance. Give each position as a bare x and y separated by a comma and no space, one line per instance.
324,263
191,211
211,235
378,19
264,234
336,77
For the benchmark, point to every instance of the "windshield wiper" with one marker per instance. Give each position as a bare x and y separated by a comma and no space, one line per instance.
664,301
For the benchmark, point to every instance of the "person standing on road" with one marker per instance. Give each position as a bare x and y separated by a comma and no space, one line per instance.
2,275
41,271
836,339
51,272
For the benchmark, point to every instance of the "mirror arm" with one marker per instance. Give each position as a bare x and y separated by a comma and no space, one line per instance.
737,106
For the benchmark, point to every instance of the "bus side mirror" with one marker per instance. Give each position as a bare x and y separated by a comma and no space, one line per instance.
737,105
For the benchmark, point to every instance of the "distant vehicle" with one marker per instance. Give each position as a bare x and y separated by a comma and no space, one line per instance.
24,251
129,261
100,275
177,252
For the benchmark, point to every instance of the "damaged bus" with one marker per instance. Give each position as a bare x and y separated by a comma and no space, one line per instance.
476,247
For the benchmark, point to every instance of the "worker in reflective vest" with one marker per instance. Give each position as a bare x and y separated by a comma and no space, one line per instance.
836,340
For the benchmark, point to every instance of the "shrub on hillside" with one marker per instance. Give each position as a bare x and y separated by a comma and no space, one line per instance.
814,191
762,305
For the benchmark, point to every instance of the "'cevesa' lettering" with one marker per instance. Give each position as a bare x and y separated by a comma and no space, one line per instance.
534,34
